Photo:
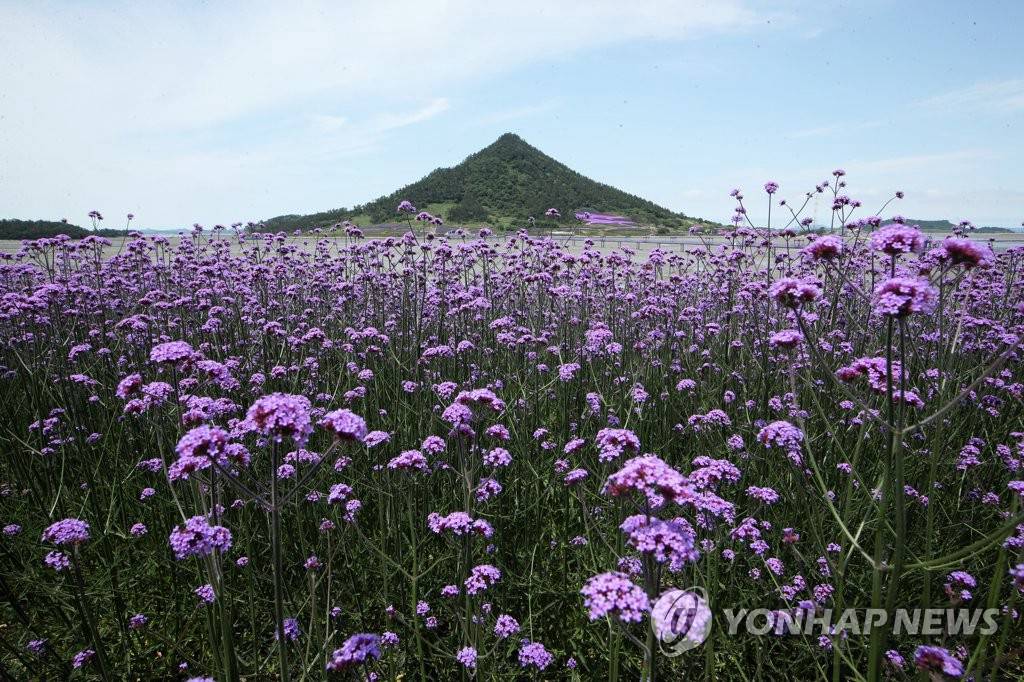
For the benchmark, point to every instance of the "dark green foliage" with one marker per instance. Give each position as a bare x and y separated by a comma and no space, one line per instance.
37,229
508,180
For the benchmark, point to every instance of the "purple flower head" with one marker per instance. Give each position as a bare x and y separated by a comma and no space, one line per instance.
823,248
652,478
533,654
467,657
901,296
345,425
172,353
612,443
897,239
67,532
783,435
205,593
935,659
965,252
792,292
409,460
356,650
505,626
291,629
669,542
197,537
58,561
614,594
787,338
81,658
202,441
771,187
129,386
281,414
406,207
482,577
1017,573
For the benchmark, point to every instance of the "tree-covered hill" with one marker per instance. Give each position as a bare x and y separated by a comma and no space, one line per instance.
37,229
503,184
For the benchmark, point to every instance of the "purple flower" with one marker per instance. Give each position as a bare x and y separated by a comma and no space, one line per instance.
612,443
505,626
534,654
901,296
291,629
783,435
787,338
81,658
410,460
356,650
129,386
964,252
766,495
58,561
651,477
281,414
467,657
792,292
433,445
482,577
67,532
206,593
897,239
665,541
345,425
197,537
1017,573
172,352
935,659
575,476
823,248
614,594
406,207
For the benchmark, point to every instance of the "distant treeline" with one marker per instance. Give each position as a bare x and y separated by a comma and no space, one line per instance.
37,229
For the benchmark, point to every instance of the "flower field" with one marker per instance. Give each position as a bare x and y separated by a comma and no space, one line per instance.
244,456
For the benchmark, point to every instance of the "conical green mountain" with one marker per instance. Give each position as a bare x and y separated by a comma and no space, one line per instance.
503,184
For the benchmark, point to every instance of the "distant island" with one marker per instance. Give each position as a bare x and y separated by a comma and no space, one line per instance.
946,226
503,185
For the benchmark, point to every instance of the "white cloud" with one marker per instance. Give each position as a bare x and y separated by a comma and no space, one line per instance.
392,121
1002,97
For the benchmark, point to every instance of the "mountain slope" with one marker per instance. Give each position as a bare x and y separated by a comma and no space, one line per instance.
502,184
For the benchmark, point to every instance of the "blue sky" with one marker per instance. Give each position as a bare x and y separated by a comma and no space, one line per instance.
220,112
